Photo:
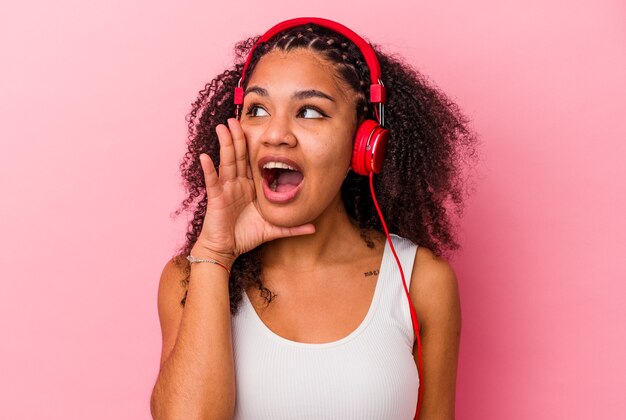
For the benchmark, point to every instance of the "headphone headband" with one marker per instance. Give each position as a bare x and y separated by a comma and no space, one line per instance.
377,89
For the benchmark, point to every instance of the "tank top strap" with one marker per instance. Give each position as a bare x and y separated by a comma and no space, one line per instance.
394,311
405,249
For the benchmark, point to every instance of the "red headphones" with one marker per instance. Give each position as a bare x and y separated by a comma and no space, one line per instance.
371,138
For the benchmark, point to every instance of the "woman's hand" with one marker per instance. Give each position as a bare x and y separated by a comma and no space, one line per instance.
232,224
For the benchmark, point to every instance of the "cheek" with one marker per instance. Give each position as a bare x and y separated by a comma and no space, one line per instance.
252,143
343,150
247,132
333,158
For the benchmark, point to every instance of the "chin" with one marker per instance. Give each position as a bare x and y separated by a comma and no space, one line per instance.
284,217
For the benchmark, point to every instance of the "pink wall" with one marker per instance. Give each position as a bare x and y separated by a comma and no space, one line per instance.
93,98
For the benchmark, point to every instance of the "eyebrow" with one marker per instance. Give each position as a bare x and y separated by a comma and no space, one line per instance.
301,94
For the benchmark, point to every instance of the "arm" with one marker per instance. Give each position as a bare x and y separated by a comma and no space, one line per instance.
197,375
435,296
196,378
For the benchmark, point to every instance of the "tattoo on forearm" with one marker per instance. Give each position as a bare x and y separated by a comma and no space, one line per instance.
371,273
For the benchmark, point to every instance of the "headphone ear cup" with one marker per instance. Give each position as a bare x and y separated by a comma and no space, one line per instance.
370,143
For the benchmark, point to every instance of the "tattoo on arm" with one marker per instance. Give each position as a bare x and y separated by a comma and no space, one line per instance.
371,273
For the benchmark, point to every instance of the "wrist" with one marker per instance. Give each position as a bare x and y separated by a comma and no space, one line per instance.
204,254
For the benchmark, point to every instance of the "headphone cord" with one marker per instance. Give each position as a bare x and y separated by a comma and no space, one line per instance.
413,315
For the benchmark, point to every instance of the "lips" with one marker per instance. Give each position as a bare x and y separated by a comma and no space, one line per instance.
281,184
271,158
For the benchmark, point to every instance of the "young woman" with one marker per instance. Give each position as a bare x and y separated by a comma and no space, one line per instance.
286,300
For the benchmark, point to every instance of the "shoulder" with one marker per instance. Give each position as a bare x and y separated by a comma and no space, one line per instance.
174,271
171,282
434,288
432,270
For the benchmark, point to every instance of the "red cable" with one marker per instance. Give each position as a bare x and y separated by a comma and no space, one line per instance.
413,315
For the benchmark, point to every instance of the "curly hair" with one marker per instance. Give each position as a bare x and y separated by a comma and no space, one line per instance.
422,181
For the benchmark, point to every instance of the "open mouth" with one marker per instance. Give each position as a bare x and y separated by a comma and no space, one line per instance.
282,179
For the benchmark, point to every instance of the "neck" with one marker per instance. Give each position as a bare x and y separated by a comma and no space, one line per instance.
334,233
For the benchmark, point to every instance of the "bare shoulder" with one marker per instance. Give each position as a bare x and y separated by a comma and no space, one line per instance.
171,285
170,293
434,287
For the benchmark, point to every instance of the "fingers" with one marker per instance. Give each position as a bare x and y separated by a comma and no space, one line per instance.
211,179
227,168
282,232
239,141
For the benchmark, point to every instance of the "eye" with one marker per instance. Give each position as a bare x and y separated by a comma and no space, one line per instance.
310,108
250,111
251,108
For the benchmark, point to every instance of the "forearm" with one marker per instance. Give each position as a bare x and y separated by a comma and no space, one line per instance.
197,381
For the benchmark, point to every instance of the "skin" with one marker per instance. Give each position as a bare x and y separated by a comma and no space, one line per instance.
308,271
321,146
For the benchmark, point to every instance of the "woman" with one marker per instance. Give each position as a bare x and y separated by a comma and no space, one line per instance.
292,305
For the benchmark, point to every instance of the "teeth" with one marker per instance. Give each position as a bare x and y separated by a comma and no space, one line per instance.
273,186
282,165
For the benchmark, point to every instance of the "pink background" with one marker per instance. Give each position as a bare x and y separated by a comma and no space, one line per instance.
92,103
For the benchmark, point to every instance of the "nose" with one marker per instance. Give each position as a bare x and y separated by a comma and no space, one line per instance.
278,132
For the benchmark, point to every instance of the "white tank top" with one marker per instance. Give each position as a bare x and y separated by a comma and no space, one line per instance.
368,374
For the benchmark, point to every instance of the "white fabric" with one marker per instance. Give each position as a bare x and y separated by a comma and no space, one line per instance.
369,374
